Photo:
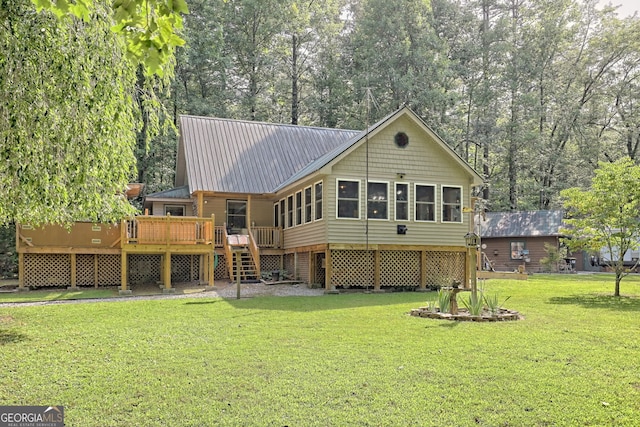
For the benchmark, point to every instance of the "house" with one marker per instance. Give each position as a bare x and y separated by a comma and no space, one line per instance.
516,240
383,207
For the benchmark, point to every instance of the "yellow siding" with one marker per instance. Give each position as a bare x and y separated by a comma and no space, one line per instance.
422,162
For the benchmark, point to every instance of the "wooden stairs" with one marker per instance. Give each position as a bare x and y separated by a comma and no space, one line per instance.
243,266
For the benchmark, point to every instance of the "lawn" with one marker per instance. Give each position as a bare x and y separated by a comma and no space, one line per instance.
334,360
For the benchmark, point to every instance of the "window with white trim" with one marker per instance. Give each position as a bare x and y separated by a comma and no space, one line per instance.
276,214
318,197
283,224
451,204
348,199
378,200
299,208
425,202
308,203
289,211
402,201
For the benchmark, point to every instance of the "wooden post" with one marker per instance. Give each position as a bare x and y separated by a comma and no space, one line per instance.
74,276
167,270
211,277
423,269
376,270
248,217
200,204
20,270
238,264
123,271
327,269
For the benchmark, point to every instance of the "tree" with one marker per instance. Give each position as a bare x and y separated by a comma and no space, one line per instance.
604,217
149,27
68,117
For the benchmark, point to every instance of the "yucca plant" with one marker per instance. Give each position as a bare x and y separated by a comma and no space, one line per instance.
443,301
474,305
493,303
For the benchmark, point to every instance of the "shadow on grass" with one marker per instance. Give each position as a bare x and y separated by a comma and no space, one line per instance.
10,337
319,303
599,301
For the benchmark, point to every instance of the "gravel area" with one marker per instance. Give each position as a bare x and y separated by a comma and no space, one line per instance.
186,290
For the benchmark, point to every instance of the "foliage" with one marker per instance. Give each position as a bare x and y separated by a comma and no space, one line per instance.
67,120
346,360
444,300
493,303
554,257
474,303
8,256
604,217
149,27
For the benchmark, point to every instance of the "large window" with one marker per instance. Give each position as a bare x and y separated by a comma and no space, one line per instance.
425,209
377,200
290,211
318,194
299,208
451,204
348,199
307,204
402,201
236,215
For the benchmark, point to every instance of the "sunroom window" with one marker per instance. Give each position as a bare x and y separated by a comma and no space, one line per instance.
402,201
425,202
307,204
318,194
451,204
348,195
377,200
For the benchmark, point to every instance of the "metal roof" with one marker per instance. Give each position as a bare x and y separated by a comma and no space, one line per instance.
236,156
521,224
174,193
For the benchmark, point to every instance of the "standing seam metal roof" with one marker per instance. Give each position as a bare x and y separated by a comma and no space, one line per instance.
522,224
225,155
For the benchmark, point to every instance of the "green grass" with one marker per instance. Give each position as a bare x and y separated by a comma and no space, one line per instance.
336,360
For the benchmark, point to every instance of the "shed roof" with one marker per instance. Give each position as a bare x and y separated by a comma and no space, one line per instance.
521,224
181,192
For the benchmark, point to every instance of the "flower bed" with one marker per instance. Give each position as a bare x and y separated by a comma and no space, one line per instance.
463,315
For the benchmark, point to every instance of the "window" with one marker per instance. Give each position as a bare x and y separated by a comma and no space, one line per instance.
236,215
307,204
348,196
276,214
402,201
282,214
425,202
174,210
518,250
299,208
290,211
318,194
377,200
451,204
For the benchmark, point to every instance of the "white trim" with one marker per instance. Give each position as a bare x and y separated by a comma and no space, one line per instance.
387,200
283,213
165,206
304,204
299,206
435,201
359,199
315,202
276,217
395,201
442,187
290,208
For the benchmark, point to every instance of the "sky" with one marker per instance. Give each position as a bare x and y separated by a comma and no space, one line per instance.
627,7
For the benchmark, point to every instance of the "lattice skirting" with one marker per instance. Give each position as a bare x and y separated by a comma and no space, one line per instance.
42,270
269,263
221,271
356,268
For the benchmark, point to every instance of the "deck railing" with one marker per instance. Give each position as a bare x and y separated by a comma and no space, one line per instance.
265,237
168,230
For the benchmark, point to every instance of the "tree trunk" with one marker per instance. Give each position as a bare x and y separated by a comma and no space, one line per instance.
616,293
